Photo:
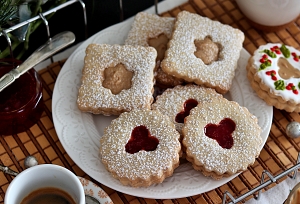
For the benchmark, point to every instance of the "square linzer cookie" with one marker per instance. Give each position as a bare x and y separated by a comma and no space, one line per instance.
116,79
147,27
203,51
155,31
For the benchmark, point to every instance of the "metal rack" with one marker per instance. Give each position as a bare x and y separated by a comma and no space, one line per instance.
53,10
42,17
291,172
256,192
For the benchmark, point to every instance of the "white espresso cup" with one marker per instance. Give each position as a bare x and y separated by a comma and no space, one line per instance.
44,176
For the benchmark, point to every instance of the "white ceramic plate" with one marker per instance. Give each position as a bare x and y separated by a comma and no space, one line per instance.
95,191
80,132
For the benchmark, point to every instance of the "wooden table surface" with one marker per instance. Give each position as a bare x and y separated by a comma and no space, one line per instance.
279,153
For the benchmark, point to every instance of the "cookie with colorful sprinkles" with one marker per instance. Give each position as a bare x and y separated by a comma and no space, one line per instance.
274,73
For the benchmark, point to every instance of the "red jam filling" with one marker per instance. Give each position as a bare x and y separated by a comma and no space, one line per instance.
141,139
18,93
21,103
187,107
221,132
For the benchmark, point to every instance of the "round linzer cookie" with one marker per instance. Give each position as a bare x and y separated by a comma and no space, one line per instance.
140,148
274,73
221,138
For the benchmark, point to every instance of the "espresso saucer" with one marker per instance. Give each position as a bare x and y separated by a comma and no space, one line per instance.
94,190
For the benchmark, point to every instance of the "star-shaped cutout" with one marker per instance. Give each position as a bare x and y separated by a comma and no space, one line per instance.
207,50
117,78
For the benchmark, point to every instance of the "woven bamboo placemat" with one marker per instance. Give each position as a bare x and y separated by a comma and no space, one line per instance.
279,153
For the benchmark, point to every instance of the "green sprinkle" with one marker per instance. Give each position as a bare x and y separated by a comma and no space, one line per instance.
299,85
279,85
270,53
264,65
286,52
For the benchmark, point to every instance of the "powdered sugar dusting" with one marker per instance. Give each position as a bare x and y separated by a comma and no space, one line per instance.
207,152
143,164
93,97
148,25
171,101
181,61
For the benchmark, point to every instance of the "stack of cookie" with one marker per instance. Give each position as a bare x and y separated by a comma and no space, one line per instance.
193,59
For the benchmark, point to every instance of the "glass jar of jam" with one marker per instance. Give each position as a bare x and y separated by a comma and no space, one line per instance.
21,103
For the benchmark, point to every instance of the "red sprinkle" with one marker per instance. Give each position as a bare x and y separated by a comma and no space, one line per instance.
268,73
274,78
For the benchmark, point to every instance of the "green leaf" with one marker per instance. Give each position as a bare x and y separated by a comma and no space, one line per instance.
286,52
7,11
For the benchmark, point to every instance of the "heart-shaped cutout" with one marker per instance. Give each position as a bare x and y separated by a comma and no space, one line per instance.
141,139
187,107
221,132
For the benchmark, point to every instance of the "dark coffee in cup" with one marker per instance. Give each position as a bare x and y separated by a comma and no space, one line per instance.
48,195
